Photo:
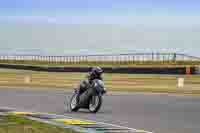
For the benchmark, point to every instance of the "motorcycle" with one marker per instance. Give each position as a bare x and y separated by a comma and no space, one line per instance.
90,99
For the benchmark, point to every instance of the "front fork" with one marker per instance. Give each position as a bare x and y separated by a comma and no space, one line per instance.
93,100
94,97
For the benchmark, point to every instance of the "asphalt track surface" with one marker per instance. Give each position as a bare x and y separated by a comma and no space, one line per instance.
159,113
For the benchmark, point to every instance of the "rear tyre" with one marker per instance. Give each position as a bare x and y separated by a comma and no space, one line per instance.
73,106
94,106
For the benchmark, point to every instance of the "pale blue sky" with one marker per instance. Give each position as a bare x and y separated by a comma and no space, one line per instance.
102,7
134,25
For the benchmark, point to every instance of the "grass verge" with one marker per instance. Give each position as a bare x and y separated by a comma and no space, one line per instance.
14,124
113,82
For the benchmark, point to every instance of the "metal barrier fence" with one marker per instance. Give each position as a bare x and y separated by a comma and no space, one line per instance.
130,70
142,57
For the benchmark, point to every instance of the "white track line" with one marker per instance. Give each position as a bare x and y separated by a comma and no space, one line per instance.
123,127
101,123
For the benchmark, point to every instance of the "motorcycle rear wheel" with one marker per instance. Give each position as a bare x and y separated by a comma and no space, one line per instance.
73,103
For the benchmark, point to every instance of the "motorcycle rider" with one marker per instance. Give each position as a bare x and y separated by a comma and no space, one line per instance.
95,73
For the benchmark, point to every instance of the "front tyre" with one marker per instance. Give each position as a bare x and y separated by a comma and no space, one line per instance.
73,103
95,104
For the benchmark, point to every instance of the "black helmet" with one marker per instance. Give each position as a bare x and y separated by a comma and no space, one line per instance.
96,72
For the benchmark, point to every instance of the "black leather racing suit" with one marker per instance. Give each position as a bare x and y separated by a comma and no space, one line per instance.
85,84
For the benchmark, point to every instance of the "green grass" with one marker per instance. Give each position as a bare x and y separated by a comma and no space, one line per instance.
103,63
114,82
14,124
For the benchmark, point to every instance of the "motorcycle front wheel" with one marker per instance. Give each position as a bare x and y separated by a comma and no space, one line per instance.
95,104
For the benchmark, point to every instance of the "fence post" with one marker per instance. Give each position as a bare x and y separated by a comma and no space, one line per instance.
27,79
180,82
188,70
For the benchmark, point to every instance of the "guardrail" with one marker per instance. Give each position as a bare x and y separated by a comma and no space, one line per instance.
141,57
130,70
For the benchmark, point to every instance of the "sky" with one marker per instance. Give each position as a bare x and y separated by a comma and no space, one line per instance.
166,21
104,11
101,7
